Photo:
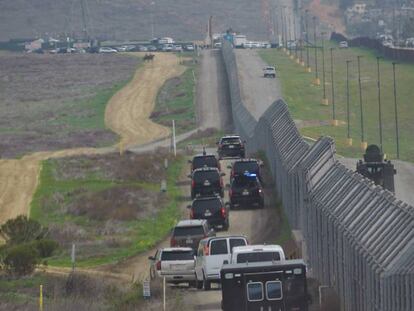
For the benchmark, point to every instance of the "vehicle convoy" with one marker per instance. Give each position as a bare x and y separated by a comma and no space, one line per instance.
204,160
269,72
242,166
212,253
265,286
175,264
212,209
257,253
188,233
231,146
206,181
246,191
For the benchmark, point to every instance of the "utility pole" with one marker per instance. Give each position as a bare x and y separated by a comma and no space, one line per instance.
294,36
317,81
348,113
302,63
396,112
334,120
363,142
379,102
308,68
324,99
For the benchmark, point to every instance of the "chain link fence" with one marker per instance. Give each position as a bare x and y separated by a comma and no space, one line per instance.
359,238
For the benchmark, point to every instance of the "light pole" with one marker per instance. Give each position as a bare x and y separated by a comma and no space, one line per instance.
324,99
363,142
294,36
308,68
317,80
396,112
348,113
334,120
302,63
379,102
152,20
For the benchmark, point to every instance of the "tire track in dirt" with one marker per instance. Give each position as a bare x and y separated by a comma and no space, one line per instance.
127,114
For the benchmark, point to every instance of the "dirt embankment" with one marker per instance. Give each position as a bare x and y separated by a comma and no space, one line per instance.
329,15
127,114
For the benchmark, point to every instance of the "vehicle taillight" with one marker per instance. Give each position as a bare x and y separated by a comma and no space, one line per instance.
232,174
206,250
191,214
223,212
192,183
158,265
173,242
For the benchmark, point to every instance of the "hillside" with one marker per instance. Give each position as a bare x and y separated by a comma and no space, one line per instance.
128,19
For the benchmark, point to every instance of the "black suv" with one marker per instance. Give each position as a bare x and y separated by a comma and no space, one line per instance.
246,190
204,160
242,166
212,209
206,181
231,146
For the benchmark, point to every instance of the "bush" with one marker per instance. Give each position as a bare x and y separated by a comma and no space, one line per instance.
45,248
22,229
21,259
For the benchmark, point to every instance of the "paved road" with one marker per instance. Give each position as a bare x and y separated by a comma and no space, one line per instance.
213,101
257,92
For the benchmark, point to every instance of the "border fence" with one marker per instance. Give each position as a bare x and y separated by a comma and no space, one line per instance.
359,237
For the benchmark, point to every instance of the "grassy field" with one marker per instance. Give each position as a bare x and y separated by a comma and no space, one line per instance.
305,99
52,102
175,101
111,207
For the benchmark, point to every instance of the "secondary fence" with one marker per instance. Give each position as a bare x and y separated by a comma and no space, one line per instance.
359,237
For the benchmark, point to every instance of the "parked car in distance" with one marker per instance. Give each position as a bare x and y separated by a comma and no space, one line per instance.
246,191
151,48
257,253
206,181
188,233
204,160
107,50
242,166
231,146
212,253
177,48
167,47
175,264
217,45
212,209
269,72
343,45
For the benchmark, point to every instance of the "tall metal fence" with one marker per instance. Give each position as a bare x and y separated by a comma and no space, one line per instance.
359,237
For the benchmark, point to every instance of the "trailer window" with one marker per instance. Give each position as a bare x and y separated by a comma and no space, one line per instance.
274,290
218,247
258,257
255,291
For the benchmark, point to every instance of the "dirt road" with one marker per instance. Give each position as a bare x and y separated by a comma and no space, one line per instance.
127,114
128,111
257,92
213,99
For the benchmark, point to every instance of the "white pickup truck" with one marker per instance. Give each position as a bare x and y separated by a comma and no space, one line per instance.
269,72
175,264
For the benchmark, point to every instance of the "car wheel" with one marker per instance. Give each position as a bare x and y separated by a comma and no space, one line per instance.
199,284
206,284
222,193
152,274
226,225
192,195
192,284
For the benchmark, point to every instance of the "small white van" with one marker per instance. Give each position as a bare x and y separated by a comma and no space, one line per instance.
212,253
257,253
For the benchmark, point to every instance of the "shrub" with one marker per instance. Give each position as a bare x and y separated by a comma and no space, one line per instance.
45,247
21,259
22,229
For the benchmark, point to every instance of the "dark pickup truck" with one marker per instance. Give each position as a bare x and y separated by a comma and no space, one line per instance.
231,146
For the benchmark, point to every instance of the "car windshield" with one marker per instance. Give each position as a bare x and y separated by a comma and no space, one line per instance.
206,175
230,140
258,257
201,205
188,231
177,255
241,167
209,161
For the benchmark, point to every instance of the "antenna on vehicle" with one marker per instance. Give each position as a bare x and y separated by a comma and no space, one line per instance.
204,151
